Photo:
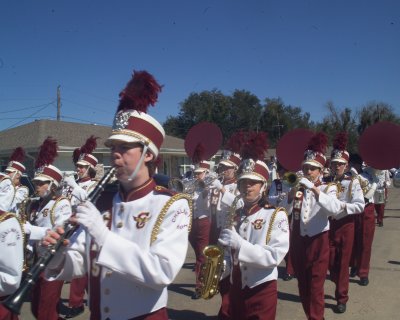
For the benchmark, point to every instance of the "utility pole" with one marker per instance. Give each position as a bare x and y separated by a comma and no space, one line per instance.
279,126
58,103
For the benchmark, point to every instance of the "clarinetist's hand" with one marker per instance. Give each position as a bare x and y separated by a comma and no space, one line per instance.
52,237
88,216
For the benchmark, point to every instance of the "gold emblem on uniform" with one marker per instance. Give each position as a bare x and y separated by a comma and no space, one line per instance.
120,224
45,212
257,224
141,219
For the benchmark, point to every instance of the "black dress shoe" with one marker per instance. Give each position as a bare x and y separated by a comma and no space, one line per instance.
74,312
380,224
340,308
196,295
364,281
353,272
287,277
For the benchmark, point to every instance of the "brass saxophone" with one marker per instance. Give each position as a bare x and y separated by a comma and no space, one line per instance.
212,269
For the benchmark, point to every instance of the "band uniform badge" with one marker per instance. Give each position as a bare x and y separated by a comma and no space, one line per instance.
141,219
257,224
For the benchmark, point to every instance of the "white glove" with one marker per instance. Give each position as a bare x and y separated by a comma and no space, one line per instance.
230,238
35,232
70,181
217,184
306,183
91,218
371,191
353,172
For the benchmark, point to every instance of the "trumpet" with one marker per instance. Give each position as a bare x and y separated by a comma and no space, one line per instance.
291,178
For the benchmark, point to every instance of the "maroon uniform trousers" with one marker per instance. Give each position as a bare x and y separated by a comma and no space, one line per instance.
364,236
6,314
341,238
310,258
77,292
45,297
199,239
224,286
258,303
380,212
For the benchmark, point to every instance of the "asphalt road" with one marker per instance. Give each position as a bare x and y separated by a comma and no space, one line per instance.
378,300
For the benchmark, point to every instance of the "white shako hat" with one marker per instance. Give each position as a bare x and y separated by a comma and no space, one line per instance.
83,155
253,146
131,122
16,159
339,152
315,152
45,171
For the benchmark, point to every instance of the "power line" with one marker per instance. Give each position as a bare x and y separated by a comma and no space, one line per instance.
85,106
91,122
27,108
17,118
36,112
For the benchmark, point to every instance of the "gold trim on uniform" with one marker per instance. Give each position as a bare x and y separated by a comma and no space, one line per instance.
160,218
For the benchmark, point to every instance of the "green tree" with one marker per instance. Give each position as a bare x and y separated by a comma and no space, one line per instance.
374,112
340,121
277,119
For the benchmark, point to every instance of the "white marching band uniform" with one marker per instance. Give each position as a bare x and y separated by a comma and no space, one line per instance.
351,197
21,193
314,214
258,256
134,268
11,248
7,192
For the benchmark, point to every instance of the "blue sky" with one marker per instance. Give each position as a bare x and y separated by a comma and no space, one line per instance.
305,52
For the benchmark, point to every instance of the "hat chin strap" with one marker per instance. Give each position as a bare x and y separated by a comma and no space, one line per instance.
139,164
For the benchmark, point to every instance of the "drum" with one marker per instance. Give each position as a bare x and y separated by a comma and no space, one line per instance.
379,196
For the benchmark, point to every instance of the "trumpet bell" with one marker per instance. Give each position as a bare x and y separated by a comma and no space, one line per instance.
290,178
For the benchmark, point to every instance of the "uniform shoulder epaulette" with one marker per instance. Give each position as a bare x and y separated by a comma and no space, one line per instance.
165,191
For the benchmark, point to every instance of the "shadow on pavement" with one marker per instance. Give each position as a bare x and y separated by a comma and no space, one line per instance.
180,288
394,262
188,314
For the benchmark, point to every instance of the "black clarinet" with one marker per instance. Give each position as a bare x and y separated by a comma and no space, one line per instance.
15,301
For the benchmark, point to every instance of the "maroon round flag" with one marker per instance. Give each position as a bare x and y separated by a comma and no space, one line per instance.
203,141
291,147
379,145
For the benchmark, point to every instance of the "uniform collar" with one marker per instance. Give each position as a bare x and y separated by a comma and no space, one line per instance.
138,192
84,179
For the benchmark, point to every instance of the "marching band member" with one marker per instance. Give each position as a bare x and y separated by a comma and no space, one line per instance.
15,169
313,202
227,167
77,191
259,241
341,234
140,237
199,235
7,192
278,196
11,260
382,179
364,227
51,210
